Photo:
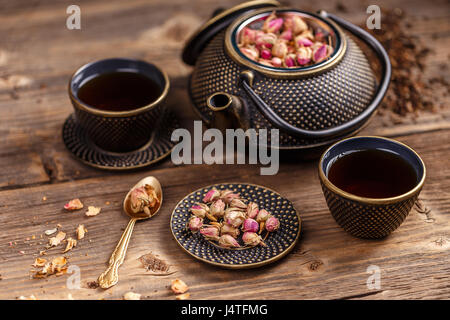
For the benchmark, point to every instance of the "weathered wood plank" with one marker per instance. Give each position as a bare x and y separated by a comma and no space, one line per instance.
327,263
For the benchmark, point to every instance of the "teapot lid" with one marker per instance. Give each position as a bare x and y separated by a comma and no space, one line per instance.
220,20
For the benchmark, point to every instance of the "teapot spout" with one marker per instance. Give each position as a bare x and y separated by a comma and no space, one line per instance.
229,111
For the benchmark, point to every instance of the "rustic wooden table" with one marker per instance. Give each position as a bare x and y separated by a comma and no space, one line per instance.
38,175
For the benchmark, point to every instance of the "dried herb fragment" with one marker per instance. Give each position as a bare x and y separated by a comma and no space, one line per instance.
55,241
132,296
408,91
70,244
179,286
93,211
74,204
80,231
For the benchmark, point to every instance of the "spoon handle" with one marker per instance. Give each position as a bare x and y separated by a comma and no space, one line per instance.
111,275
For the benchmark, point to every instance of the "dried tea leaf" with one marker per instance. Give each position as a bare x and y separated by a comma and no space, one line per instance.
93,211
74,204
179,286
59,261
49,232
81,230
57,266
55,241
183,296
152,263
70,244
39,262
92,284
131,296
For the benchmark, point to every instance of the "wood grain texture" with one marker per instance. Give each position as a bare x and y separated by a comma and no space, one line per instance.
38,55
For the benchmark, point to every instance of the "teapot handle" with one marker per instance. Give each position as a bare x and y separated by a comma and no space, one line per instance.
277,121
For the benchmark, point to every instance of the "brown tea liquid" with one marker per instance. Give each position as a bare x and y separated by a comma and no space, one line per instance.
373,174
119,91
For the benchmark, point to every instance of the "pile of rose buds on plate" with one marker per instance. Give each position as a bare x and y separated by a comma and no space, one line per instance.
231,220
284,41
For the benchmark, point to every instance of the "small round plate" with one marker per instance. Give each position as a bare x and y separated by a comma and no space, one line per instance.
279,243
158,147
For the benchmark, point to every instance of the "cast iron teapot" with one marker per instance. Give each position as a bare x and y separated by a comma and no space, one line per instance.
312,106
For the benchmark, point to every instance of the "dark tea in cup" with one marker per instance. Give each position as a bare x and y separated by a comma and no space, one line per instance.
118,102
373,174
119,91
370,184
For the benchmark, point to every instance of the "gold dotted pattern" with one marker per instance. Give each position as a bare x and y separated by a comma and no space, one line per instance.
367,220
321,101
111,133
77,141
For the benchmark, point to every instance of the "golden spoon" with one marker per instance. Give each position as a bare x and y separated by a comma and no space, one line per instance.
111,275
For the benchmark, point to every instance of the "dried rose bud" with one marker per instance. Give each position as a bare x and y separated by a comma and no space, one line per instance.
296,24
320,53
304,56
265,62
247,36
228,241
286,35
307,34
262,216
289,61
142,199
138,197
250,52
252,210
217,208
234,218
272,224
211,195
320,36
74,204
252,239
210,232
250,225
280,49
195,223
228,195
276,62
232,231
266,54
238,203
199,210
301,41
265,40
273,25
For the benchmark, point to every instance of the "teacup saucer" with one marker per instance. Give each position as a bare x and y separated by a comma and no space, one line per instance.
158,147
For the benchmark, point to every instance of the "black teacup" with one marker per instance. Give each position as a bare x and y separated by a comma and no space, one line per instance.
119,127
373,213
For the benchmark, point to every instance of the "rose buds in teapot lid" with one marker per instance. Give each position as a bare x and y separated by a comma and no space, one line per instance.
217,23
